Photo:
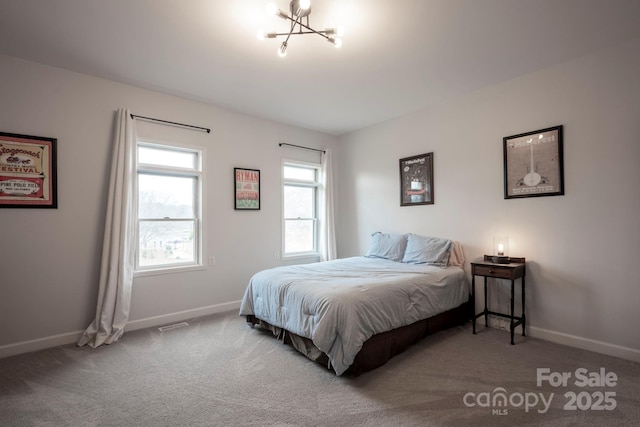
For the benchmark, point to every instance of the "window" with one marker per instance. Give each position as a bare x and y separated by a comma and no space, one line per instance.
169,188
300,219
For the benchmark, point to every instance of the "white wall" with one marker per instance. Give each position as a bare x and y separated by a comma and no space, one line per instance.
50,257
581,248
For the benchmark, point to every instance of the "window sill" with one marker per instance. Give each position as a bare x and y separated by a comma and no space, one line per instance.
168,270
310,256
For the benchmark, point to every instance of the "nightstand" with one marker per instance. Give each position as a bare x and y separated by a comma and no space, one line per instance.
514,270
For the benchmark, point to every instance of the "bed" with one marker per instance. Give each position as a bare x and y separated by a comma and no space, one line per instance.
354,314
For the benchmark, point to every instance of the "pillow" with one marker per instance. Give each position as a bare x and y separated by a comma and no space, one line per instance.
427,250
457,255
387,246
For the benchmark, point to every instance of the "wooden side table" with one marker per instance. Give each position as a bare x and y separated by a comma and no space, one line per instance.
514,270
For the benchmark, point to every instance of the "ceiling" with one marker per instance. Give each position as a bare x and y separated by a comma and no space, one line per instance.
398,56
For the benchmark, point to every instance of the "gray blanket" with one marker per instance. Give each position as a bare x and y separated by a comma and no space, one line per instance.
340,304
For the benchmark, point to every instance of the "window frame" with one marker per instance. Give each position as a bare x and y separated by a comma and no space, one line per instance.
197,173
315,185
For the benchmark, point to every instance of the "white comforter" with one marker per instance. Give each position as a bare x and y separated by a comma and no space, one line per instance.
340,304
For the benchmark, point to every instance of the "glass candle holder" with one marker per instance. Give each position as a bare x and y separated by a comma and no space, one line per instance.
501,246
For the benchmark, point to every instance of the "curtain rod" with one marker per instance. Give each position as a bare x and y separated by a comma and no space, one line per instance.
300,146
133,116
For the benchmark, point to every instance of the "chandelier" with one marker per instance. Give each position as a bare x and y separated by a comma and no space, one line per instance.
299,11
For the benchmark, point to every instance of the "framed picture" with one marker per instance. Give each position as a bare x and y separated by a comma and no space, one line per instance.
416,180
27,171
533,164
247,189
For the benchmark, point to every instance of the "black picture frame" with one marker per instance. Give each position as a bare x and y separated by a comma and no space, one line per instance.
28,171
534,164
246,189
416,180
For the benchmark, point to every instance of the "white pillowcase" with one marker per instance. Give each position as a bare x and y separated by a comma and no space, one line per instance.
387,246
427,250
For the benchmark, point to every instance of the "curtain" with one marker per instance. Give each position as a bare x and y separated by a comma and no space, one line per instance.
327,230
118,249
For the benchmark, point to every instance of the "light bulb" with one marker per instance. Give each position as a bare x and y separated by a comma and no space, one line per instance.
337,42
260,35
340,31
304,4
282,52
272,9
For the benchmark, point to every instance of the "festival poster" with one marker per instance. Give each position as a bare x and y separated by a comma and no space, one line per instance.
27,171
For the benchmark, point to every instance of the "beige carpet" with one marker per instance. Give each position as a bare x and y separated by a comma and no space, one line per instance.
220,372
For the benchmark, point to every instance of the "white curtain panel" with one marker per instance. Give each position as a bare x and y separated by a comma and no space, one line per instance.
327,222
118,250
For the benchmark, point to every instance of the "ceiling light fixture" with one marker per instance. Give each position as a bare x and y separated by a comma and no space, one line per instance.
299,9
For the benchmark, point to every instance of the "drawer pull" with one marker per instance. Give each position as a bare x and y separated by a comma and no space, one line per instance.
491,271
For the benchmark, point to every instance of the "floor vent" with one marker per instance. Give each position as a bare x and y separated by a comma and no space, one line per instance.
174,326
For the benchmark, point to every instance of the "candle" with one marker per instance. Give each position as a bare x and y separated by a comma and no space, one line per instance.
500,249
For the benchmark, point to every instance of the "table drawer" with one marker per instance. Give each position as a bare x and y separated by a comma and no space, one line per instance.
493,271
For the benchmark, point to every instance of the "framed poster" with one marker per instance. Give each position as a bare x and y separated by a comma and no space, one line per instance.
533,164
27,171
416,180
246,189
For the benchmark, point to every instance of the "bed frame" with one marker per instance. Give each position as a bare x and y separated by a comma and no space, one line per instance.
378,349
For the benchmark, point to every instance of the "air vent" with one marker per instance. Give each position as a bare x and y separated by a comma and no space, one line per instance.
174,326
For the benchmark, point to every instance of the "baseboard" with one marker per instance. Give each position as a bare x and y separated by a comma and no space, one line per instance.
180,316
585,343
568,339
72,337
495,322
39,344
